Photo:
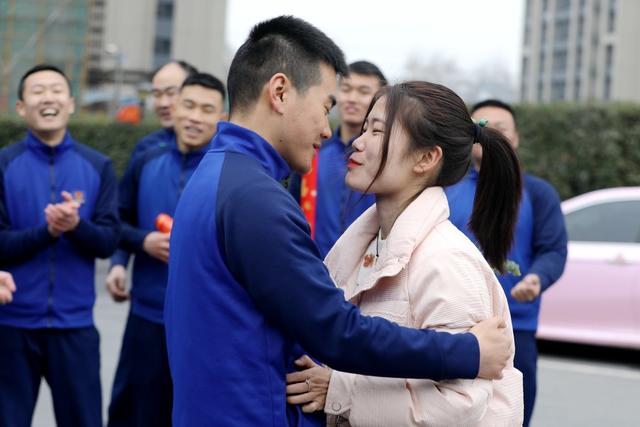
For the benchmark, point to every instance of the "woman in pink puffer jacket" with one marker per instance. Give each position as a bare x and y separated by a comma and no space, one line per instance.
403,260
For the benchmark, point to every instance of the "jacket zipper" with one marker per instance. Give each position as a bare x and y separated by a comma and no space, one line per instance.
52,253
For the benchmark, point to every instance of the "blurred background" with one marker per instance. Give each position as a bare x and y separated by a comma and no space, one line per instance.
570,67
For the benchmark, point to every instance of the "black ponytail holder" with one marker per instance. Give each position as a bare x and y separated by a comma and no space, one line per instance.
478,129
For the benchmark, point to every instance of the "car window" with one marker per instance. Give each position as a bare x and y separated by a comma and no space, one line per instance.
607,222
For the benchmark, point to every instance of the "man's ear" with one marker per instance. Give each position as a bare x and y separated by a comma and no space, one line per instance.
516,140
277,91
72,105
20,108
428,160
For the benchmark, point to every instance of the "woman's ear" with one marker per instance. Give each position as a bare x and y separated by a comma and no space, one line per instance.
428,160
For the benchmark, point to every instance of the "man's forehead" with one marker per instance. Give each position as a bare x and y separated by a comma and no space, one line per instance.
45,77
201,95
360,79
169,75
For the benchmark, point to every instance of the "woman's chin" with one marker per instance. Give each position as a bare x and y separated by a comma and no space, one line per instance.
354,184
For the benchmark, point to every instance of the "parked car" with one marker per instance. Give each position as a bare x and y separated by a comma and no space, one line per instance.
597,299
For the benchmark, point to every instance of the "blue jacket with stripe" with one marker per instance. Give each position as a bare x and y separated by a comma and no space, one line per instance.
151,185
540,242
159,138
247,284
54,276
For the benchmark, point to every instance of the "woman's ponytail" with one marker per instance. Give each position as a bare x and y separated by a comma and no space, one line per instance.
498,194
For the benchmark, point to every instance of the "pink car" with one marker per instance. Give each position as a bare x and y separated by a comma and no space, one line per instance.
597,299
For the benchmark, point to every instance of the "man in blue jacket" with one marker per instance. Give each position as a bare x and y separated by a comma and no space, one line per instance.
337,205
58,213
165,87
539,248
142,392
247,283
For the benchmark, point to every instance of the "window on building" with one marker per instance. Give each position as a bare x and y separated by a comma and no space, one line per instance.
561,34
165,9
563,5
540,91
557,91
578,64
576,88
559,65
611,18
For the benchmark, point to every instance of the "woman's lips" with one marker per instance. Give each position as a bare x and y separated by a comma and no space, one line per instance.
352,164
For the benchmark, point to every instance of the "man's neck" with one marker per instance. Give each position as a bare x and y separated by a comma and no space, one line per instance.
186,149
348,132
51,138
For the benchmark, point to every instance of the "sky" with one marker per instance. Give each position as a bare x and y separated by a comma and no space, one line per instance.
472,33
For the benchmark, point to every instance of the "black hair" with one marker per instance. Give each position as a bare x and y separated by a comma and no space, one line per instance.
36,69
433,115
205,80
286,45
186,67
366,68
494,103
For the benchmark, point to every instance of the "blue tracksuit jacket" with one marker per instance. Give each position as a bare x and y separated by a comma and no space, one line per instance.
151,185
160,137
337,206
246,283
540,244
54,276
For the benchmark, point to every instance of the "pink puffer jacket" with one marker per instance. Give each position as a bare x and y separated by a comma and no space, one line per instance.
429,275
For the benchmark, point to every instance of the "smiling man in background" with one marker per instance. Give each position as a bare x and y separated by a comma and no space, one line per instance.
58,213
142,390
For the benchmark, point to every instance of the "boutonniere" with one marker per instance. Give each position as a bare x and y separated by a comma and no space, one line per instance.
510,267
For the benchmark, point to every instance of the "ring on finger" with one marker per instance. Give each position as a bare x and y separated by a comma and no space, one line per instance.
308,383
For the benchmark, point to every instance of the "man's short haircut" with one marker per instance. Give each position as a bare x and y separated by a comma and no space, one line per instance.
286,45
205,80
366,68
494,103
186,67
38,68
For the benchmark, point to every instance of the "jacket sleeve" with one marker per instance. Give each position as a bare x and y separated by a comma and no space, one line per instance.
549,234
457,298
19,245
132,238
267,247
98,236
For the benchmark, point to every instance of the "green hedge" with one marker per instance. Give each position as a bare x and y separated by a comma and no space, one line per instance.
577,148
114,139
581,148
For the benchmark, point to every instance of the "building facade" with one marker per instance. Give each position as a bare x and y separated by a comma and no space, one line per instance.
580,50
36,31
145,34
108,47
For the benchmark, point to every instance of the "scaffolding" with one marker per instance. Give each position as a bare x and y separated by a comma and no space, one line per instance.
42,31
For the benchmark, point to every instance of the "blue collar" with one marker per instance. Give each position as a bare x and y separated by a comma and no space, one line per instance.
34,143
233,138
473,173
196,155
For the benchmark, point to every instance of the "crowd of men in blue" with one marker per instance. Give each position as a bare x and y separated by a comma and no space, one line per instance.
61,207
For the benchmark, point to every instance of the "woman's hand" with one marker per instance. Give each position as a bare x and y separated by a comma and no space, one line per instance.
309,386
